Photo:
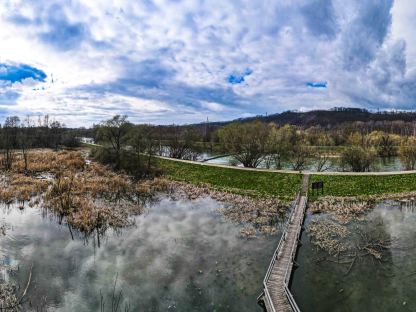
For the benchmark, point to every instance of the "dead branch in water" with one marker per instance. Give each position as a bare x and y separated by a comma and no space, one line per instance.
346,245
11,297
115,299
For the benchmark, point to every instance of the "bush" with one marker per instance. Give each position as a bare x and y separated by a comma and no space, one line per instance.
407,153
245,141
138,165
357,159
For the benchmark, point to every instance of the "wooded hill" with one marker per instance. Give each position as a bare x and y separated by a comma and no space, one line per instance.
325,118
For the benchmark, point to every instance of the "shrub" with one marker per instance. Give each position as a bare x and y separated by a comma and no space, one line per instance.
357,159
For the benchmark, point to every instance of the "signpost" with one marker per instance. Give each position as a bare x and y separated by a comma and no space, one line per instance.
317,186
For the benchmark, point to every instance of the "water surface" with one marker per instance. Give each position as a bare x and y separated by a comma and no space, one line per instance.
389,285
380,164
179,256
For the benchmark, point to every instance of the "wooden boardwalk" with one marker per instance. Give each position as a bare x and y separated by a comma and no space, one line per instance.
277,296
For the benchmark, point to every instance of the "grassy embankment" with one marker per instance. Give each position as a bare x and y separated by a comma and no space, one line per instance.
285,185
245,182
366,185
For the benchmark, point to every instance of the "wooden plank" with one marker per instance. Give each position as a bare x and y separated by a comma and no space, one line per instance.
278,279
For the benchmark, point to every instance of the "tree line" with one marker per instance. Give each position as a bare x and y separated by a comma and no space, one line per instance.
255,142
251,144
18,135
130,147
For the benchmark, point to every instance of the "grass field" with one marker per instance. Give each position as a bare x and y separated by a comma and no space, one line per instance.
281,185
285,185
347,185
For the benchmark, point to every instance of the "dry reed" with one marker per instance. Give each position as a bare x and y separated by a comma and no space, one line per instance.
90,196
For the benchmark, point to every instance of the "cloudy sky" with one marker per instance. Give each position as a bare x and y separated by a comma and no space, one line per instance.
165,61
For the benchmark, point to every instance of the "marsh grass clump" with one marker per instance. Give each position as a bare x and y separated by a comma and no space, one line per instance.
40,160
328,235
95,198
87,195
8,297
15,186
90,202
343,209
248,231
150,187
88,217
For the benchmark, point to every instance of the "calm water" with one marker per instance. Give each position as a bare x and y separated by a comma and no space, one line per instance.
179,256
381,164
370,285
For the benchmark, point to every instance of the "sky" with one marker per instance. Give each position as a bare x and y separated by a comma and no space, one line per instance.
183,61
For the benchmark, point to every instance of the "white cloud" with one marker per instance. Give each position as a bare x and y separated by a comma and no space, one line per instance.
164,61
215,107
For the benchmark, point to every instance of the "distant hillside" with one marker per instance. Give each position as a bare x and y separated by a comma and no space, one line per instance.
331,117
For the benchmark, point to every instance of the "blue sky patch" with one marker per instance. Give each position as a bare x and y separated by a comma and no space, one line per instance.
321,84
239,78
20,72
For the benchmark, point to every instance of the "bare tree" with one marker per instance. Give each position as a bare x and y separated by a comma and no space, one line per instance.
9,140
55,130
245,141
407,152
181,143
299,156
144,146
114,132
323,161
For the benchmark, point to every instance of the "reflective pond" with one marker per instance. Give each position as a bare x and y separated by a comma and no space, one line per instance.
388,284
179,256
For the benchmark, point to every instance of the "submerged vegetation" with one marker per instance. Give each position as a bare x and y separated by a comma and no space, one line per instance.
345,233
260,215
11,294
343,210
8,297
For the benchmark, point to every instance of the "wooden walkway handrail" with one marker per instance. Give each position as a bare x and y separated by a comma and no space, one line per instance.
276,295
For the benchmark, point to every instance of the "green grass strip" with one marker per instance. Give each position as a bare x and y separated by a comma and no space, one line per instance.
247,182
350,185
